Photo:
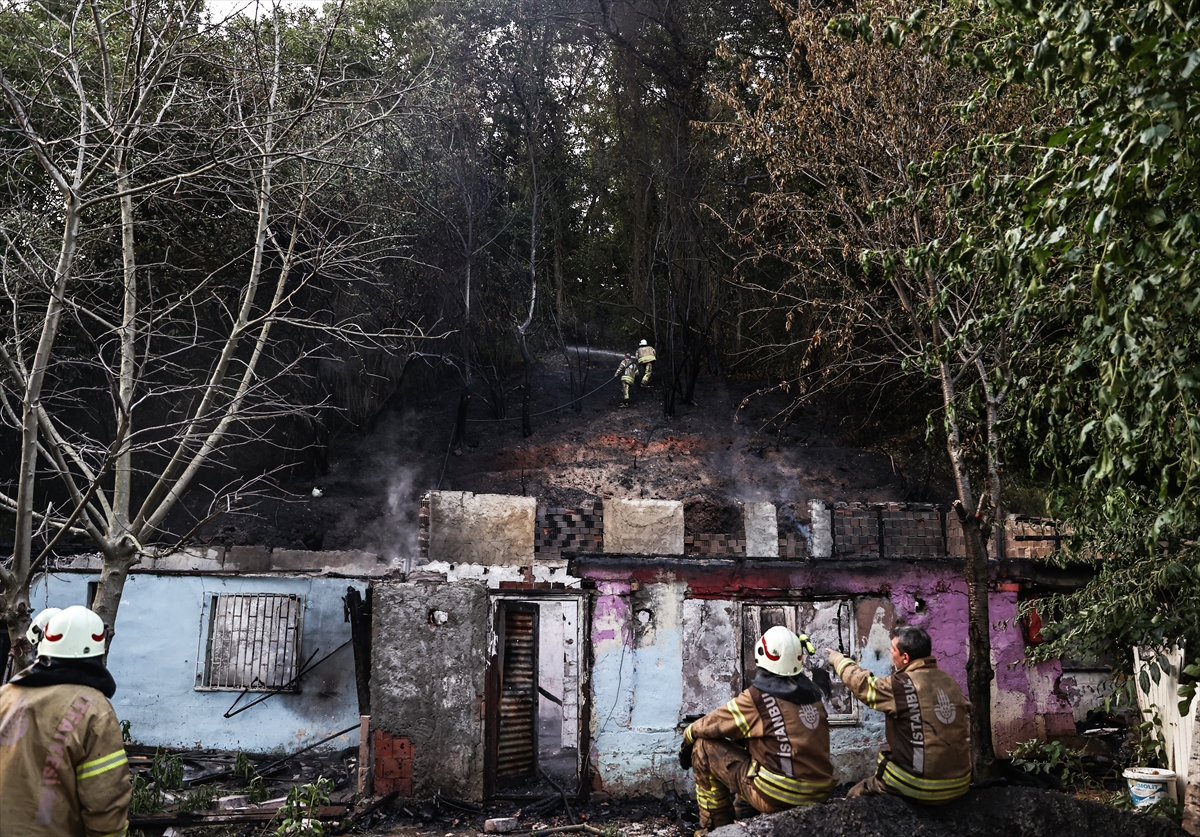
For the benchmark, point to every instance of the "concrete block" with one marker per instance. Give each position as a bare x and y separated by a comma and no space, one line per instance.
822,529
248,559
501,825
225,803
427,679
343,563
490,529
643,527
187,560
762,530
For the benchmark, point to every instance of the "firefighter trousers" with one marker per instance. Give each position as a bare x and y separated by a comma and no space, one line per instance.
721,770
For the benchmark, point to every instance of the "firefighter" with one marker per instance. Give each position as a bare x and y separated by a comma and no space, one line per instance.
928,759
626,372
34,634
769,745
645,359
63,770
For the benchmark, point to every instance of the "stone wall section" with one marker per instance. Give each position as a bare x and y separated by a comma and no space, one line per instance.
575,530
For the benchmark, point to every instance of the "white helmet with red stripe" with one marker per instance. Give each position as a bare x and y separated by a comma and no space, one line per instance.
38,626
73,634
779,652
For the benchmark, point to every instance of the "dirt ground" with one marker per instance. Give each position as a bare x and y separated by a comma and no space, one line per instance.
711,454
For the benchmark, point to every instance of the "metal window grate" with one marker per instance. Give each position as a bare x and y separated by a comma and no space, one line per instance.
253,642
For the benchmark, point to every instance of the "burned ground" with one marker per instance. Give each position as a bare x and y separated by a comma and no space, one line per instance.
710,455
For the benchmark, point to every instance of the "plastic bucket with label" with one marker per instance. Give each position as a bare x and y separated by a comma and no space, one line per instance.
1148,785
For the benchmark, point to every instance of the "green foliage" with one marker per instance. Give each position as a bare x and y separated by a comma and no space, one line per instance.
126,736
1084,220
256,790
199,799
1051,758
298,816
166,773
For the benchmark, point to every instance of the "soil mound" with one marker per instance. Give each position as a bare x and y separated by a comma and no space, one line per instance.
991,812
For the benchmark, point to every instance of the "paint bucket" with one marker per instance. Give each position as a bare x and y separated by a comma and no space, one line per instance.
1148,785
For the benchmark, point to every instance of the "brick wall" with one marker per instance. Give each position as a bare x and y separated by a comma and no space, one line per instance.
569,530
912,530
855,530
393,764
1028,538
792,545
714,544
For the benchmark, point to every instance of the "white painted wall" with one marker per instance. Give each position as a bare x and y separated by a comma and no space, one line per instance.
154,661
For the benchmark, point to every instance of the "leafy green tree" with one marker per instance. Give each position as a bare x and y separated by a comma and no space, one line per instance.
1088,219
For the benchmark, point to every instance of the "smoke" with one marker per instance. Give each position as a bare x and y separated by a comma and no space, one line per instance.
394,534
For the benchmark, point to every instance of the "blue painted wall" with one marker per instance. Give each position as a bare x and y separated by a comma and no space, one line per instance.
154,655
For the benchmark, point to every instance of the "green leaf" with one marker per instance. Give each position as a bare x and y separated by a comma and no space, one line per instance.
1154,135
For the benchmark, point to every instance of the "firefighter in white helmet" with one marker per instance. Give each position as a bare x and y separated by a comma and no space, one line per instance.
36,628
63,770
645,358
769,746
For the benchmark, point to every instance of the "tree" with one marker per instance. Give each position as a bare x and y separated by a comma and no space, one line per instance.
1095,235
848,218
140,124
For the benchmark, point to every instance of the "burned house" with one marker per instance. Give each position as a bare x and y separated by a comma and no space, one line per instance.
579,642
573,643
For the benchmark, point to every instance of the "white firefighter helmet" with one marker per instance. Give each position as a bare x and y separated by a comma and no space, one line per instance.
779,652
643,343
73,634
38,626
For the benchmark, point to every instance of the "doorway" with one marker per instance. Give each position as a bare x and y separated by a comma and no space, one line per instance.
532,726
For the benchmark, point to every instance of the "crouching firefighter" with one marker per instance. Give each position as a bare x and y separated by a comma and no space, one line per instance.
928,759
769,746
63,770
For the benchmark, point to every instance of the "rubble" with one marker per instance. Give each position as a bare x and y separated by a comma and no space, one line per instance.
991,812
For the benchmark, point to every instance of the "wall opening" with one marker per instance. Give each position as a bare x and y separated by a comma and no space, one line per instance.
828,624
535,689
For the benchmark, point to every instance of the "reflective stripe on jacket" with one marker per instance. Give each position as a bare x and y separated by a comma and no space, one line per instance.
63,770
788,744
645,354
928,727
627,370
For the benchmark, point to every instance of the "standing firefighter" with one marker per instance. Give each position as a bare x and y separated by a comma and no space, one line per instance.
769,745
63,771
928,728
645,359
626,372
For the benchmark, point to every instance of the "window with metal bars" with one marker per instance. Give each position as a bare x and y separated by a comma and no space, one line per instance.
253,642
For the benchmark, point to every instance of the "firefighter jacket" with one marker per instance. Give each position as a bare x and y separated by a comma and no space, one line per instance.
627,370
928,727
63,770
788,743
645,354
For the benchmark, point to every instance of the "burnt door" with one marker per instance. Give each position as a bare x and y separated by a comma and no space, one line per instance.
513,719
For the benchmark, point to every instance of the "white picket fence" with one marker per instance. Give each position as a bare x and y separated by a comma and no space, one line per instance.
1178,731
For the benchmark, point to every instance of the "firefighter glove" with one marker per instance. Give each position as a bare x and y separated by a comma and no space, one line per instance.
685,755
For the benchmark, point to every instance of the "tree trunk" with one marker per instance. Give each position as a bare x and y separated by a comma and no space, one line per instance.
979,638
979,659
117,564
